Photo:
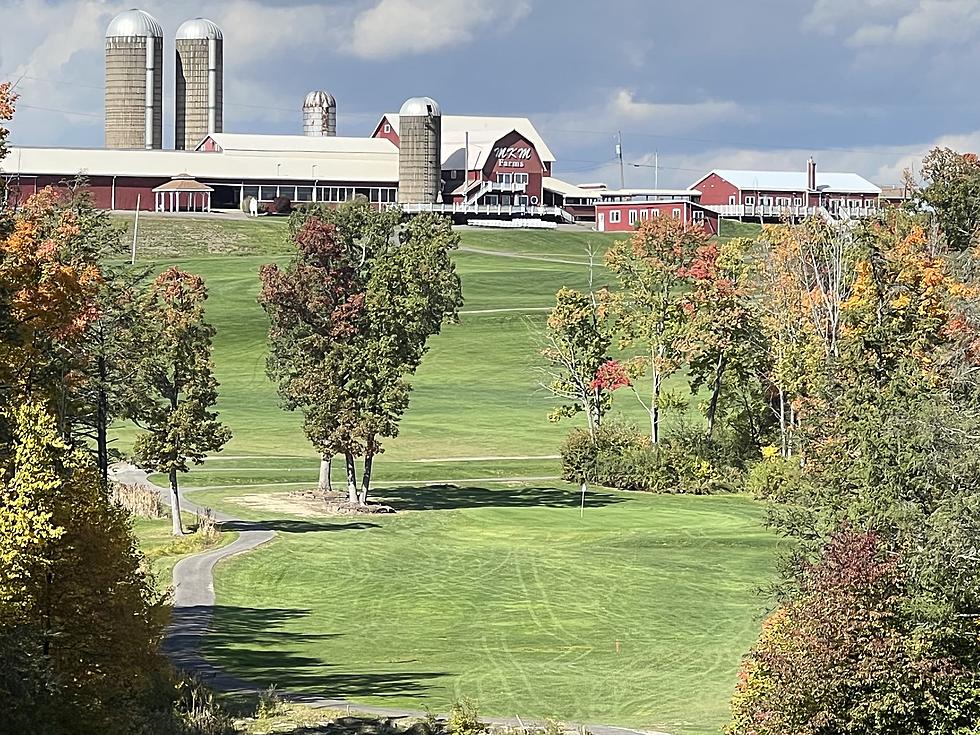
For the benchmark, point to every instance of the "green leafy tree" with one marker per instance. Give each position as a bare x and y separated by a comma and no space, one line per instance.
350,319
174,389
952,191
79,614
845,656
652,305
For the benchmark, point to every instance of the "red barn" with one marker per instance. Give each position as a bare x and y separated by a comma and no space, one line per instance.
487,161
774,194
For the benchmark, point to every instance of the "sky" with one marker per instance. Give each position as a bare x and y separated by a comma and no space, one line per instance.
862,85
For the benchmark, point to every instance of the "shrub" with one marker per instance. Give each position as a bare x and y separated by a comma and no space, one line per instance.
139,500
586,460
197,712
774,479
270,703
464,719
279,205
623,458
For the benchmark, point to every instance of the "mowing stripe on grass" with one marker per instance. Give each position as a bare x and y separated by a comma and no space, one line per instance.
388,483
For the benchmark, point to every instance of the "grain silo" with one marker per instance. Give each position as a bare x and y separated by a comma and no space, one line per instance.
420,152
199,84
134,81
319,114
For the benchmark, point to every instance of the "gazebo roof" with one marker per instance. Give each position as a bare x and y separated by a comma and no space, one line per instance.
183,182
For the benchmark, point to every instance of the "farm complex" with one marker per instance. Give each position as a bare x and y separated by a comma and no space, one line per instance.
495,169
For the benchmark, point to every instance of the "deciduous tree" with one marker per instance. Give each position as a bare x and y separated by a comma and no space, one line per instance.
350,319
652,306
174,389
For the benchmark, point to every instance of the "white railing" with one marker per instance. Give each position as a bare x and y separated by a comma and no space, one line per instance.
519,188
489,209
773,211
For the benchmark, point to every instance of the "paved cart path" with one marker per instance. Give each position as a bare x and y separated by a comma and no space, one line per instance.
193,605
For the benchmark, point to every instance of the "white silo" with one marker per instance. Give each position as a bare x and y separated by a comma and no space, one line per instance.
420,152
319,114
134,81
199,84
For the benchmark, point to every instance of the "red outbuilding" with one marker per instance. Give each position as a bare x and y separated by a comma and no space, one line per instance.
625,216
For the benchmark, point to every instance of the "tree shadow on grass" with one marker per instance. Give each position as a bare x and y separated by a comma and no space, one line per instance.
287,526
260,646
453,497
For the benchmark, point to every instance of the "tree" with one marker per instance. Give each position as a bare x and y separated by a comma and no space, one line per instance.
653,309
79,615
576,347
7,100
886,500
317,302
174,387
49,286
952,191
845,656
350,319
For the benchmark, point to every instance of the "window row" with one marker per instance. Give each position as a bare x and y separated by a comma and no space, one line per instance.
511,178
321,193
638,215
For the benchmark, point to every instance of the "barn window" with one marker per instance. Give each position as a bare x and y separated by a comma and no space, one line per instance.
697,215
644,214
633,216
676,213
749,201
387,128
615,216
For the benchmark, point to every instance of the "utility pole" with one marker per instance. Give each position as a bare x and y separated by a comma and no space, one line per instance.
619,155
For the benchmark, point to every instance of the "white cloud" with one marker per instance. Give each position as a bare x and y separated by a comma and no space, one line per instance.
875,23
393,28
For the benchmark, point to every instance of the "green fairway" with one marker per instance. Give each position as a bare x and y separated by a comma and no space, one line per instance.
478,391
483,586
505,594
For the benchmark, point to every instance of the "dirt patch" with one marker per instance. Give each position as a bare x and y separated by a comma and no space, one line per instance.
307,504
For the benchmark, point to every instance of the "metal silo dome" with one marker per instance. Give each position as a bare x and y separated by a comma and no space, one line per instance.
132,23
199,28
420,107
319,98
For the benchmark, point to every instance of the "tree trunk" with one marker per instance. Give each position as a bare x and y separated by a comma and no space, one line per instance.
784,444
102,421
366,478
351,478
655,410
715,392
325,484
178,527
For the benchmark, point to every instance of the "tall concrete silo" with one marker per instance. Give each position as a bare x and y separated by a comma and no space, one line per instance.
319,114
420,152
134,81
199,85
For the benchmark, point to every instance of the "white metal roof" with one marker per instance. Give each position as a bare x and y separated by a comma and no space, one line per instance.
241,143
845,183
626,193
134,22
319,98
455,127
568,190
201,165
199,28
421,107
